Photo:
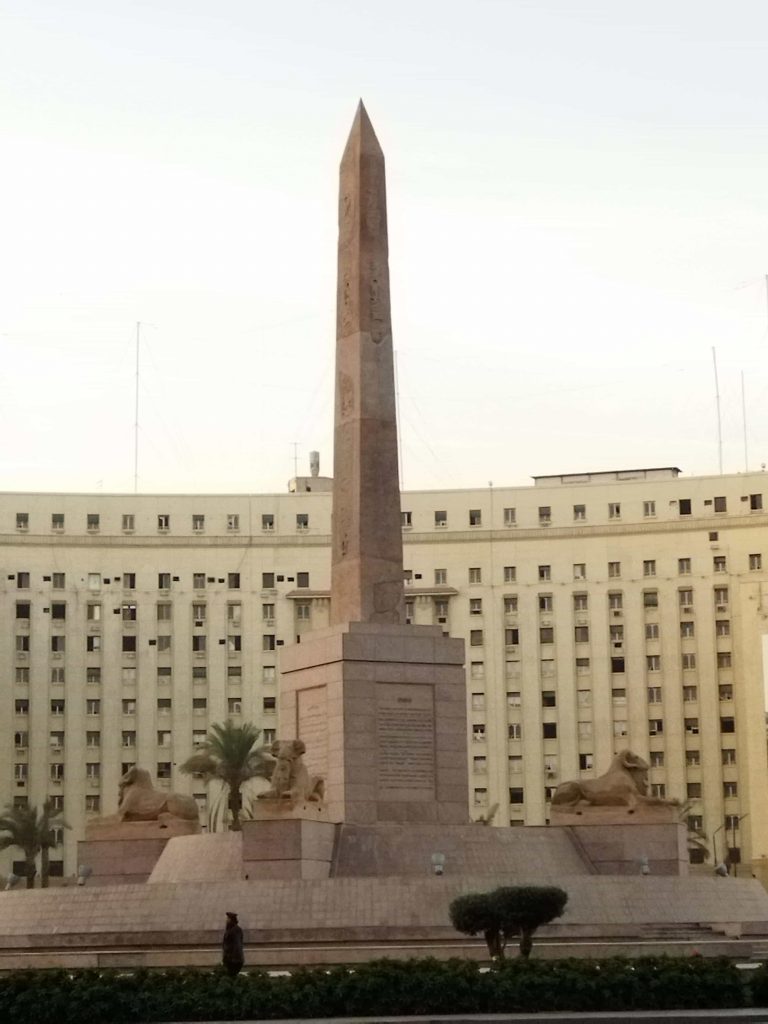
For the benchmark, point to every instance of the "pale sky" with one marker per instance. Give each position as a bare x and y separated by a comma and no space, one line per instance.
578,212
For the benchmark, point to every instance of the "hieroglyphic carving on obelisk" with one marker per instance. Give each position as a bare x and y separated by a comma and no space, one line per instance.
367,560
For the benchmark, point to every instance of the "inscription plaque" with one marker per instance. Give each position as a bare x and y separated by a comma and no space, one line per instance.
312,728
405,741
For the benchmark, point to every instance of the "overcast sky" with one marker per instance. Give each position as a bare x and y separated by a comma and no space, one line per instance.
578,209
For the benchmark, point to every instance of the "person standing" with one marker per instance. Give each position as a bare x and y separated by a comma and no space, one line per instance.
232,956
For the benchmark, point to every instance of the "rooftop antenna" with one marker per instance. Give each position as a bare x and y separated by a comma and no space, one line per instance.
295,458
744,422
719,422
136,415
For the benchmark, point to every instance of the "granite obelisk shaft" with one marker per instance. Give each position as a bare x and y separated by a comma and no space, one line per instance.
367,559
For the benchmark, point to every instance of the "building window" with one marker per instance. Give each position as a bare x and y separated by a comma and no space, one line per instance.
684,566
510,604
581,634
22,643
93,643
546,635
721,596
510,574
163,581
582,666
510,516
234,643
233,522
724,659
441,519
653,662
755,562
129,522
129,581
267,612
268,522
57,676
688,662
163,644
549,730
579,512
476,606
548,699
545,602
92,521
649,509
58,580
755,503
725,691
655,726
511,637
302,521
57,521
22,675
615,600
198,581
58,644
721,504
654,695
441,577
129,645
691,726
475,517
545,515
614,510
719,563
727,724
650,599
199,643
164,769
586,762
730,789
684,506
651,631
579,571
614,570
164,522
649,567
686,629
722,627
475,575
580,602
268,642
476,638
406,520
545,573
93,706
302,580
728,756
233,580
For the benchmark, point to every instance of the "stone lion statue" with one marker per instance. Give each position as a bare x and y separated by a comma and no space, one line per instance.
290,778
625,784
140,801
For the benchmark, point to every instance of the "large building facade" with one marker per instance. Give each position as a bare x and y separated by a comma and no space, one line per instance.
600,611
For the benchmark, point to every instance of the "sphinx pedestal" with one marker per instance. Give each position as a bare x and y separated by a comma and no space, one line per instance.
125,852
382,710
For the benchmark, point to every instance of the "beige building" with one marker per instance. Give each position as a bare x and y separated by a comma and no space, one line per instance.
600,611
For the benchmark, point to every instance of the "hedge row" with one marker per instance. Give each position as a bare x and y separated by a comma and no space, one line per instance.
374,989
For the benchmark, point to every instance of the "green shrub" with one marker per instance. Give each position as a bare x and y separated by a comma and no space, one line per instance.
510,910
378,988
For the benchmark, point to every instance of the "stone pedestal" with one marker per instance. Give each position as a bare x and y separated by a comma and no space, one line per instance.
382,710
291,847
122,852
616,842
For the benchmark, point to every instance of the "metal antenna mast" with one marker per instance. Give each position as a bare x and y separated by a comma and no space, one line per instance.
136,415
719,422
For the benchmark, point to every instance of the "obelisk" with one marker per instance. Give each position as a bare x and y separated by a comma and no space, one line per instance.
380,705
367,555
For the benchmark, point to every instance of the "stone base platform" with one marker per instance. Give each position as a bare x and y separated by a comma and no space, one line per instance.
348,919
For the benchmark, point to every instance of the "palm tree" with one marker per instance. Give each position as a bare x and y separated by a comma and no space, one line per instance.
33,832
230,755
